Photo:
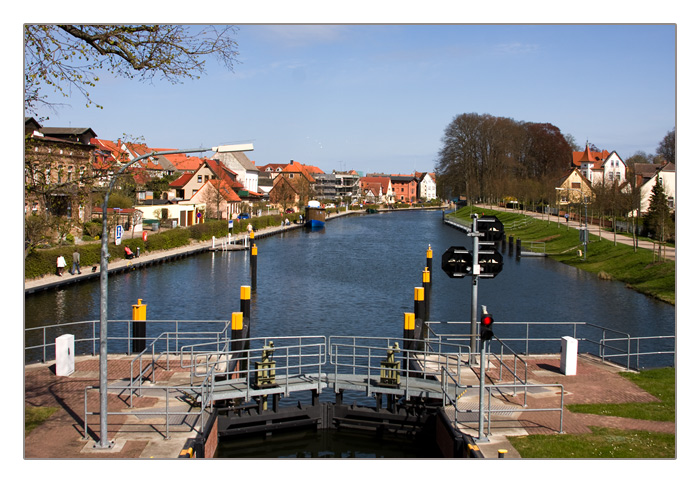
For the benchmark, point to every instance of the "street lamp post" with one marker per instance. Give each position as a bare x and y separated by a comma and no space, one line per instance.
104,442
585,204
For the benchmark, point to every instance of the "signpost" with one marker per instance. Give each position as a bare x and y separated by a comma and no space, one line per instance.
118,235
458,262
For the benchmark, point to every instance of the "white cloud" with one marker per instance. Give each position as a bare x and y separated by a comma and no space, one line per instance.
302,35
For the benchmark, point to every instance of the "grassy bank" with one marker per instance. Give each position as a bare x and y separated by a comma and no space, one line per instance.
638,270
614,443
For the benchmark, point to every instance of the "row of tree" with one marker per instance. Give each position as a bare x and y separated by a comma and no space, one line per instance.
486,157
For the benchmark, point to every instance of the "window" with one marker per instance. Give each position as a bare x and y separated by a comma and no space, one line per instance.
199,178
576,185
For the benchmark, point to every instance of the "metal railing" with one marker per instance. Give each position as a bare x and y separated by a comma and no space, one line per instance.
534,247
292,356
367,357
452,398
609,344
206,409
40,341
170,345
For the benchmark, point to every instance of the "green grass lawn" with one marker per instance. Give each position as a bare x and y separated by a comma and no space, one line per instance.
34,417
660,383
601,443
613,443
637,269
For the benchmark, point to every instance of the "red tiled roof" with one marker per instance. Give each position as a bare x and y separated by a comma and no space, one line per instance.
589,156
224,188
181,181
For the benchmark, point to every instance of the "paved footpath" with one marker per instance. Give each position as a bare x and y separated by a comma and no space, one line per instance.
668,252
62,435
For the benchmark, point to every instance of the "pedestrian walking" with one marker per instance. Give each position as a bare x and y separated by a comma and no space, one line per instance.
60,265
76,263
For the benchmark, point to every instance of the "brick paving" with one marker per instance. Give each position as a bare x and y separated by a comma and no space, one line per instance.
62,435
595,382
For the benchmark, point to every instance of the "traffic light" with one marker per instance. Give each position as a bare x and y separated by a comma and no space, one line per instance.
457,262
491,229
486,325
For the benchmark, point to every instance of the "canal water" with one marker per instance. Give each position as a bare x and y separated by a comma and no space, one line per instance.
356,277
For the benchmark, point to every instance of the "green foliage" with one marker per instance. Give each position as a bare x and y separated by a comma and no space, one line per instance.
43,262
601,443
168,239
638,270
204,231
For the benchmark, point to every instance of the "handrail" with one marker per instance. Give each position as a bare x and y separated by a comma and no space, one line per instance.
90,329
289,359
513,372
450,400
367,358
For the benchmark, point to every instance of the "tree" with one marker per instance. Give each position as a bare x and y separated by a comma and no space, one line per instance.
658,219
65,57
667,147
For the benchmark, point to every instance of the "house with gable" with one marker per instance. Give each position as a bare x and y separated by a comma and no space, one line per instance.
187,185
646,176
573,185
220,198
244,168
600,167
427,188
377,189
294,185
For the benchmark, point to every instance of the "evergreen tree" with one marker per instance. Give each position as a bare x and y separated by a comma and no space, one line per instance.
658,222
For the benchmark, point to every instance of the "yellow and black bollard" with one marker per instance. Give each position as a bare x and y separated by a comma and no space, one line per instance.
426,291
429,259
254,267
409,329
245,329
234,345
138,327
245,308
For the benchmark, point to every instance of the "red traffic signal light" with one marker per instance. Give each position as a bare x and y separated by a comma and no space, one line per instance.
486,326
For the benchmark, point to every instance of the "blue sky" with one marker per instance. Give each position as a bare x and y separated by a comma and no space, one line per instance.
378,97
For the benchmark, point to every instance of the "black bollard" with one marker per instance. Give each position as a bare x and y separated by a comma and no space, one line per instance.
429,259
138,327
510,245
517,248
426,291
409,330
254,267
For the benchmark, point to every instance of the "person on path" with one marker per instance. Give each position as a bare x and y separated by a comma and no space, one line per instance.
60,265
76,263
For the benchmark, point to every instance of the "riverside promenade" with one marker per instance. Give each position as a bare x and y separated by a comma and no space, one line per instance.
238,242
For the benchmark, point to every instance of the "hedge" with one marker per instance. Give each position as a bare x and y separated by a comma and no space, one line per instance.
43,262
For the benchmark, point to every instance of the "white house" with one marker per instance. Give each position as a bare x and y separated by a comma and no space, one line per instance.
247,173
600,167
666,174
427,188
